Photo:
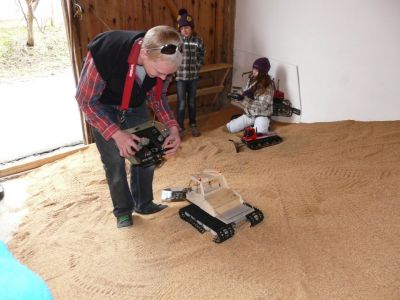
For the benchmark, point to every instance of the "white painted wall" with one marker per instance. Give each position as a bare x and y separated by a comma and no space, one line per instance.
347,53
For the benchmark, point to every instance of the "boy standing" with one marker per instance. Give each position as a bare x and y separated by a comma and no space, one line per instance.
188,72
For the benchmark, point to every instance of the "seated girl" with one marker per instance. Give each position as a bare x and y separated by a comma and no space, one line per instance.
258,99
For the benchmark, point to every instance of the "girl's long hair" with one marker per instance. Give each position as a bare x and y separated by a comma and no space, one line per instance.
262,82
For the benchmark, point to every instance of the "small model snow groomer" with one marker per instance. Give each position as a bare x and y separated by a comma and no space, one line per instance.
215,207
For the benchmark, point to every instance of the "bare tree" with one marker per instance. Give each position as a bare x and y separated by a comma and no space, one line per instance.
29,17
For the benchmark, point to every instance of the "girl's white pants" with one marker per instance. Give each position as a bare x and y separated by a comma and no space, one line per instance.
261,124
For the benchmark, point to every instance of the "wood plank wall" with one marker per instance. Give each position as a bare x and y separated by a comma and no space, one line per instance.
214,22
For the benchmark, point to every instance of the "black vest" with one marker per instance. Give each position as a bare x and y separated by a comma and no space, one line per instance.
110,51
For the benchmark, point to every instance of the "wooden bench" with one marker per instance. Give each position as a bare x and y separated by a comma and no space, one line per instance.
217,81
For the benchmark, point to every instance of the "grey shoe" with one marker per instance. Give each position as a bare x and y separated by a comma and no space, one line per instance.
195,132
124,221
152,208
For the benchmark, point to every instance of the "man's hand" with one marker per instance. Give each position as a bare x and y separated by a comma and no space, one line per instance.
127,143
172,142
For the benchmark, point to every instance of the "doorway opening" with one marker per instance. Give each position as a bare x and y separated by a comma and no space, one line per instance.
38,110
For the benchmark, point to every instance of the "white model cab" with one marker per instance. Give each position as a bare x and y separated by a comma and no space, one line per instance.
210,191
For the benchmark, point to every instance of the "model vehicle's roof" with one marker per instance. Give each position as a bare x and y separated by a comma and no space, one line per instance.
206,175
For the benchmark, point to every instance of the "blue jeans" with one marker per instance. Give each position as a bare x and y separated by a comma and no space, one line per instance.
138,193
186,92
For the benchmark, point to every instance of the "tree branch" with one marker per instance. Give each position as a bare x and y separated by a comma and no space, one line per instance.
22,10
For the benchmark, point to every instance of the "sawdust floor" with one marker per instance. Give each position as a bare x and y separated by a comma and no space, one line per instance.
330,193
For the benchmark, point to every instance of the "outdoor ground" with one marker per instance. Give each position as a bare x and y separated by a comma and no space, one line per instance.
38,109
48,56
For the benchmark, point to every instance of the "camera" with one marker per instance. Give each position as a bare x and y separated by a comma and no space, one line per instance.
235,96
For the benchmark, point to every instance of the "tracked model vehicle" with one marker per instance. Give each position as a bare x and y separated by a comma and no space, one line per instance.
215,207
281,106
255,141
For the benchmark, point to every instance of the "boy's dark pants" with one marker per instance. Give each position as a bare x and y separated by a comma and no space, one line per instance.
186,92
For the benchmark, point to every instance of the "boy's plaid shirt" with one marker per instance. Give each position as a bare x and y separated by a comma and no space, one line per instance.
193,58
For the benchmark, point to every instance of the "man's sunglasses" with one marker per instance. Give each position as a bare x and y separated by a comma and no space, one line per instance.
168,49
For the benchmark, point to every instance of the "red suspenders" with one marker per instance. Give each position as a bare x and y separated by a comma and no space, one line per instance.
130,77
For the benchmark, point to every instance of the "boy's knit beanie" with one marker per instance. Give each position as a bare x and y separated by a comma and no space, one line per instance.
184,19
262,65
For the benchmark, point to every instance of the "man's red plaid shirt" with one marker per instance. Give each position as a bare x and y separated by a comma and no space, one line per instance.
90,88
